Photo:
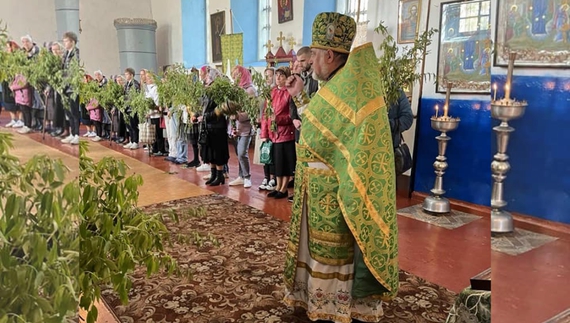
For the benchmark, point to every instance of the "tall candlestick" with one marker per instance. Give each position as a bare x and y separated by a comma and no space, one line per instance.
448,93
495,90
512,58
445,110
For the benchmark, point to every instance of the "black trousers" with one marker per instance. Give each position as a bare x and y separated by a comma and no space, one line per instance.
98,128
134,128
158,145
58,112
73,116
26,115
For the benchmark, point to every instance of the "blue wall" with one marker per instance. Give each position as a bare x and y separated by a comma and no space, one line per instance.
194,32
246,16
538,183
468,176
310,11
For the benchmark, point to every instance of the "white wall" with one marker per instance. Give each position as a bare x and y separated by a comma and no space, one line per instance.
169,31
99,45
33,17
215,6
293,28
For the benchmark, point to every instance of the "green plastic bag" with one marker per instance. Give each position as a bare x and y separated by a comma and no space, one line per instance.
266,153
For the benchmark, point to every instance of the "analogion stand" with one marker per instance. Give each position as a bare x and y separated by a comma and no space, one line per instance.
505,109
437,204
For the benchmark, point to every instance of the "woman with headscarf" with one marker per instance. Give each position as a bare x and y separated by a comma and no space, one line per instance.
214,150
243,130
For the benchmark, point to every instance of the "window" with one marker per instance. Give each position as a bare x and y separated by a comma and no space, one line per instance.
474,17
350,8
264,26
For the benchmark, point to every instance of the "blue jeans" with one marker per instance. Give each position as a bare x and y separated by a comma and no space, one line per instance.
241,145
181,143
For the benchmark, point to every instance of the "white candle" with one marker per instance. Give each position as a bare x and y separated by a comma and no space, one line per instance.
436,110
507,91
495,89
445,110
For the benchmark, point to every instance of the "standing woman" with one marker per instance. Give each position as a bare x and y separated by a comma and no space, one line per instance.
284,156
215,151
8,96
243,130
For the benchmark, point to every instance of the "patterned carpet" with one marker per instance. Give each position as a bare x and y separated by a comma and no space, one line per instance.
240,279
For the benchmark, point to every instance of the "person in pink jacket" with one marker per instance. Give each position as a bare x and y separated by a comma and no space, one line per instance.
23,97
96,117
282,135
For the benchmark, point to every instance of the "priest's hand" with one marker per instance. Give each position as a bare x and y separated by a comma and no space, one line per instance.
294,83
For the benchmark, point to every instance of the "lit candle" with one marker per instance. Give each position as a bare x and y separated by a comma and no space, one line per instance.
445,110
495,89
436,110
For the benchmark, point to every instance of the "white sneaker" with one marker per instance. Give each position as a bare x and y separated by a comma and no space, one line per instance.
92,135
24,130
128,146
271,185
203,168
236,182
18,124
67,139
75,140
263,185
87,134
246,183
96,138
10,124
134,146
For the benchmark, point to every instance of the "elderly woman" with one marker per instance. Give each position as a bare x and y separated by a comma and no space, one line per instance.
215,150
243,130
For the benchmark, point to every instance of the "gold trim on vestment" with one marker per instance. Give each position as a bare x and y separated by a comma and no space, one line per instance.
350,170
331,238
355,117
319,275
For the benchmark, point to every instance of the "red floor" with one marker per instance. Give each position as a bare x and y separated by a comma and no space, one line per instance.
528,288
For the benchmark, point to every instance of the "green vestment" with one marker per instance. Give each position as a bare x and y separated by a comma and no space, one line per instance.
346,127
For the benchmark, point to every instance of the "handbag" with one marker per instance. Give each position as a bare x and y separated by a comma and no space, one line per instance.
203,134
147,132
265,156
402,156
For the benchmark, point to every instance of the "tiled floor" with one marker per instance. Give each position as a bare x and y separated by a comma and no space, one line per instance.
519,241
453,220
531,287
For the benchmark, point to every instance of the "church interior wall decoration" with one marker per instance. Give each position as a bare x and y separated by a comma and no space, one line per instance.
284,10
232,51
408,20
217,29
465,47
537,30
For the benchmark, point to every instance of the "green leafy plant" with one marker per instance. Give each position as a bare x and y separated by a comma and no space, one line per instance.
178,87
140,105
264,94
39,241
398,65
116,235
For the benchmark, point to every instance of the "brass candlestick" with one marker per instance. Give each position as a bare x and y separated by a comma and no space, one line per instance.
436,203
505,110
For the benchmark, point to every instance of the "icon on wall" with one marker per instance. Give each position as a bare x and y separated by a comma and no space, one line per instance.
285,10
408,20
218,28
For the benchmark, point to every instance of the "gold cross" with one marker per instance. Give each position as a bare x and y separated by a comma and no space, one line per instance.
292,42
281,38
269,45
